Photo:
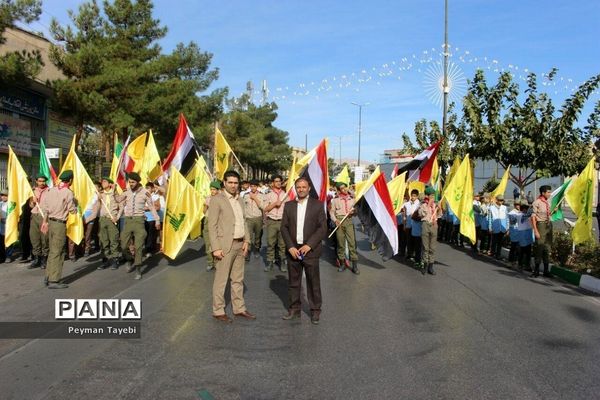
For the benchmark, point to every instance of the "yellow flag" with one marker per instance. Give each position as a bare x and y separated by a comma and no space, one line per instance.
397,187
19,192
343,176
292,175
200,179
501,188
150,169
182,213
435,172
136,149
114,167
363,186
83,189
420,186
580,196
222,153
459,194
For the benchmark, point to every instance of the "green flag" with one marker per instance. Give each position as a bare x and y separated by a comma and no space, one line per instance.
556,200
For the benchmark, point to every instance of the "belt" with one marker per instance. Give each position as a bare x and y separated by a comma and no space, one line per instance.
57,220
135,216
543,222
273,219
238,240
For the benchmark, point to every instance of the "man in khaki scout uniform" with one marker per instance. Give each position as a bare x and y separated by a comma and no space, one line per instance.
215,187
56,206
39,240
274,201
110,213
135,200
341,206
542,229
229,242
429,213
253,206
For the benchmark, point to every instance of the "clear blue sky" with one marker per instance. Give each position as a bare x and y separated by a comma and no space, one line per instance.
374,52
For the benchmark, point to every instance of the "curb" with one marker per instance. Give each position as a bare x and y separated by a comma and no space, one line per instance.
583,281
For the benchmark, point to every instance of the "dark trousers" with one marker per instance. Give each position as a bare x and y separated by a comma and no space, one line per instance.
418,247
477,237
310,266
485,240
151,235
525,257
401,241
412,242
89,229
2,250
25,240
497,244
513,254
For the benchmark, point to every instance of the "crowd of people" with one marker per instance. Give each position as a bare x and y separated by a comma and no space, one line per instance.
124,226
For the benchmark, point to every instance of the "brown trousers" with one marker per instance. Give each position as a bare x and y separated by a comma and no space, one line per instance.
310,266
230,267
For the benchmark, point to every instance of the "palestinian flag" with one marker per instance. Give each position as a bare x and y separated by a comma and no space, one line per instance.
374,208
421,167
45,165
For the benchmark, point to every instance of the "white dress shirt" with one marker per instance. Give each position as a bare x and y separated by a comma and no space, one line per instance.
300,220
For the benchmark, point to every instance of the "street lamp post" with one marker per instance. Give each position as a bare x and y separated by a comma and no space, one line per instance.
360,106
445,88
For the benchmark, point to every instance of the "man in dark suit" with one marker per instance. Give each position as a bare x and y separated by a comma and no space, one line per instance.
303,227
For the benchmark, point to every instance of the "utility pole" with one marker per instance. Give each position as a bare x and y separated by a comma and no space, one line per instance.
360,106
445,88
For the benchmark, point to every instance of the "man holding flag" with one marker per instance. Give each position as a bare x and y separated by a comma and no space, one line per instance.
429,213
542,229
56,207
341,211
39,240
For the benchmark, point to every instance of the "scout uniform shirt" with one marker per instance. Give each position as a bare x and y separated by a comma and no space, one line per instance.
137,202
272,197
38,194
251,208
111,204
341,206
58,203
541,209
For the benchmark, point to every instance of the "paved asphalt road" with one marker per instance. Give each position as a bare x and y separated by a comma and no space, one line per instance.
476,330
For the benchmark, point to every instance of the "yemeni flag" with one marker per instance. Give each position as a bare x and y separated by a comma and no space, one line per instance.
374,208
420,168
313,167
556,200
182,155
45,165
394,172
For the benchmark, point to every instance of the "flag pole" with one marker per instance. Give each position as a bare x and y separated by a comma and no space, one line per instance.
240,164
338,225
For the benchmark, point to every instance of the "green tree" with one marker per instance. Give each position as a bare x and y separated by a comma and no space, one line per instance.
528,134
260,146
18,66
119,80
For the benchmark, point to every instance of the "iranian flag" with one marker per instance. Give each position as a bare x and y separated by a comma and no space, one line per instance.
556,200
45,166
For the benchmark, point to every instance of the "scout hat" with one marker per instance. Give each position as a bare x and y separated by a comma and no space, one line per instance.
134,176
66,176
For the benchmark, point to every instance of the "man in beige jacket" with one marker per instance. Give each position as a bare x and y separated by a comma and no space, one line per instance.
229,242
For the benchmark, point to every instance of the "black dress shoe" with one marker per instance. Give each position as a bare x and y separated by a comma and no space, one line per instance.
547,274
46,281
291,315
314,319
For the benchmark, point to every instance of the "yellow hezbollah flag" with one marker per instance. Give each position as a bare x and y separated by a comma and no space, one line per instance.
136,150
435,172
292,176
222,153
183,206
83,189
420,186
397,187
580,197
150,169
114,167
200,179
343,176
19,192
459,194
501,188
